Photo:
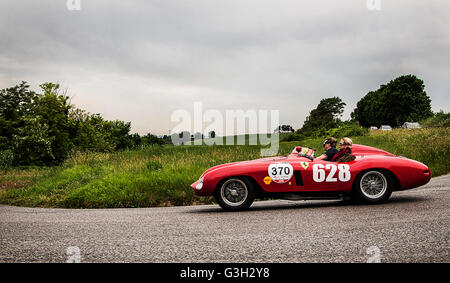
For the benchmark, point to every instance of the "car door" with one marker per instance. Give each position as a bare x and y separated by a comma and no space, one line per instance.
321,175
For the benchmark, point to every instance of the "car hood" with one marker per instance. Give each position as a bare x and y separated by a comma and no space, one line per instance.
247,162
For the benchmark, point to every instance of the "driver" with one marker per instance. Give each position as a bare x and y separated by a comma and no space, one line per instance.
329,145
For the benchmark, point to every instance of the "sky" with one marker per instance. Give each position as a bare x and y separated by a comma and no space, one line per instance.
141,61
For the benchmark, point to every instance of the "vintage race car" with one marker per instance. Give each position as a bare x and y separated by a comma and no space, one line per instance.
371,178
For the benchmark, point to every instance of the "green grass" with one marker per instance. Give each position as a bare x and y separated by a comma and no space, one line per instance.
161,175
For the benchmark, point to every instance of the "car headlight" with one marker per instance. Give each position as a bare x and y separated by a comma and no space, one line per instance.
199,184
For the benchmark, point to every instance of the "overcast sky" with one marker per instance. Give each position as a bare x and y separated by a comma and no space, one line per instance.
139,61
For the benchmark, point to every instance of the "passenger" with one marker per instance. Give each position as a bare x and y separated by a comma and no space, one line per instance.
345,151
329,145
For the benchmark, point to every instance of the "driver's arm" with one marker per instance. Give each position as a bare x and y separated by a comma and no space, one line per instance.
322,157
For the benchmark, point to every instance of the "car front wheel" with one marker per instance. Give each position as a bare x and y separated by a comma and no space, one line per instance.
236,193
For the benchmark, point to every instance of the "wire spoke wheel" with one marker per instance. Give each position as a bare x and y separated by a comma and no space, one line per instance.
234,192
373,185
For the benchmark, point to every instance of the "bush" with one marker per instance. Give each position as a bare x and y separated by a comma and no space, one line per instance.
6,158
32,144
439,119
350,130
292,137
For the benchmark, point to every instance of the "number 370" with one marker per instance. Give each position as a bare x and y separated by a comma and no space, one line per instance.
319,173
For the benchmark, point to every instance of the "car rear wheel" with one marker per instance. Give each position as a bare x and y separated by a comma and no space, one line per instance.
236,193
373,186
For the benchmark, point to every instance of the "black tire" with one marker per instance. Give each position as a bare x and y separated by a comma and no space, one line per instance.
372,186
235,194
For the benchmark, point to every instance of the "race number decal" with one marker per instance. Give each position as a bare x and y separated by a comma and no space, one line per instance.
344,172
280,172
340,172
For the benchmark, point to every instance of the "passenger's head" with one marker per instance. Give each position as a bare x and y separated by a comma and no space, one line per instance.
346,143
329,142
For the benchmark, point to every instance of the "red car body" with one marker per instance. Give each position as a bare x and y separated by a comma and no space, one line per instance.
314,178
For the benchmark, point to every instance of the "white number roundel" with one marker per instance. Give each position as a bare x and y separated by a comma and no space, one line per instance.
280,172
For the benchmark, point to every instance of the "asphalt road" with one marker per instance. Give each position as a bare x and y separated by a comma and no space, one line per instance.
412,227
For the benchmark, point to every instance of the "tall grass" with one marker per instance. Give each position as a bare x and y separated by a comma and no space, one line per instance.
429,146
161,175
154,176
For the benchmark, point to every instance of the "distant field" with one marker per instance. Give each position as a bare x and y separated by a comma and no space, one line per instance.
160,176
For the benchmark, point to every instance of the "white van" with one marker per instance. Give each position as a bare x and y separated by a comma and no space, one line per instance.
411,125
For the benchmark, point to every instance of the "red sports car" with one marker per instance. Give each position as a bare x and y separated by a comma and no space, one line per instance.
371,177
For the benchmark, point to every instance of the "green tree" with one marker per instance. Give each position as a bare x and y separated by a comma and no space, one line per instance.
32,143
136,140
43,128
324,116
87,133
401,100
118,132
149,139
52,109
439,119
285,128
15,103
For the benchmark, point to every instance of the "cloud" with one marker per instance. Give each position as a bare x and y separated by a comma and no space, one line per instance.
139,61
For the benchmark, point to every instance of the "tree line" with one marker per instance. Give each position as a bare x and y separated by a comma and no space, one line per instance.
44,128
401,100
